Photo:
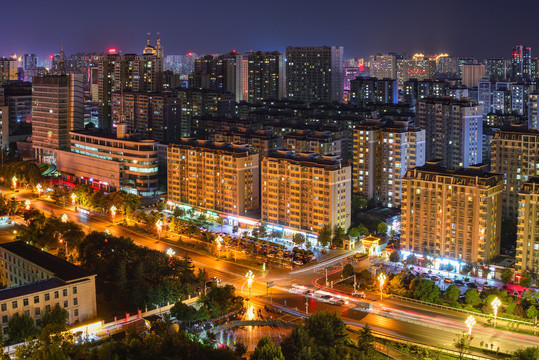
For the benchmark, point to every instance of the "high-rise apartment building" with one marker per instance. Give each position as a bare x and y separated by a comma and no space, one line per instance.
383,66
451,214
57,109
533,100
314,74
382,153
260,141
484,94
497,69
213,176
515,156
454,130
374,91
318,142
522,65
471,73
8,70
305,191
4,122
223,72
266,76
528,228
418,67
18,98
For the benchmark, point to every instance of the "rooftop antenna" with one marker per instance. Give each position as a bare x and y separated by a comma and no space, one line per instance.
148,43
158,39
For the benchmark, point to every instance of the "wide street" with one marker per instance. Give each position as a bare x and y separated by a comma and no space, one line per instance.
394,318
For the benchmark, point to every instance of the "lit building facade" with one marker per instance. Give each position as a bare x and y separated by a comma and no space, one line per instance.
318,142
451,214
471,73
305,191
418,67
266,76
214,176
373,90
528,228
8,70
522,64
383,66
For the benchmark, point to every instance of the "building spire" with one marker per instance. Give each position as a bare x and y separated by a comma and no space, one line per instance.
148,42
158,39
62,62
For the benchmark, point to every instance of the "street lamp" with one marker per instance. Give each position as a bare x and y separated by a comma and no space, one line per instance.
39,190
62,241
382,279
159,227
250,276
27,203
113,212
64,218
495,305
470,322
218,241
170,253
73,199
14,181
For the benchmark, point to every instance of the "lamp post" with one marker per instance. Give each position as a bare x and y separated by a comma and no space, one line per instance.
113,212
382,279
27,203
470,322
64,218
39,190
495,305
170,253
73,199
159,228
218,241
65,242
14,182
250,276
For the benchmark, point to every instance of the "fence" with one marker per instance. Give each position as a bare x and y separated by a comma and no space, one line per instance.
459,310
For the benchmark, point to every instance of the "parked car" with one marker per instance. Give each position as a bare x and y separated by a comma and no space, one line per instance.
471,285
448,281
435,278
459,282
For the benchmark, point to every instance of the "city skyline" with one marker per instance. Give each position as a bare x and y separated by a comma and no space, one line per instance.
344,26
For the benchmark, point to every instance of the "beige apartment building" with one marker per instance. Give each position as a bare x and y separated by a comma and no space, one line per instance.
305,191
383,152
451,214
319,142
37,281
515,155
214,176
528,228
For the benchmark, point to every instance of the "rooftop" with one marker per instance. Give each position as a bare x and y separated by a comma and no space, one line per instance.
330,162
28,289
62,269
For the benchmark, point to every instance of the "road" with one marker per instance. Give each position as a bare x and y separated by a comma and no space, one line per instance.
388,317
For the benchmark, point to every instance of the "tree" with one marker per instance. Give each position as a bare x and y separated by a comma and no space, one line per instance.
531,313
382,228
56,316
425,290
324,235
21,327
347,271
449,267
462,344
466,268
327,329
452,293
365,340
266,350
360,230
298,239
183,312
529,353
240,349
472,297
395,256
507,275
338,236
525,281
359,203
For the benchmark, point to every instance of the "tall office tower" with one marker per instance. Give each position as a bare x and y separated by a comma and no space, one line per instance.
382,153
519,98
350,73
418,67
497,69
454,130
528,228
29,61
314,74
18,98
471,73
224,72
533,100
305,191
383,66
4,122
266,76
57,109
521,64
515,155
484,94
213,176
451,214
373,90
245,80
8,70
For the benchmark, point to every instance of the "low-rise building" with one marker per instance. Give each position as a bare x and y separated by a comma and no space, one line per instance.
38,281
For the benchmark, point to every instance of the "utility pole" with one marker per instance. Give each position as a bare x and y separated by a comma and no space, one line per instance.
326,276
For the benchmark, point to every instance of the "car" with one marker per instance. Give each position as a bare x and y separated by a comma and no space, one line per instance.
487,287
471,285
459,282
298,262
448,281
326,297
338,302
308,292
435,278
359,294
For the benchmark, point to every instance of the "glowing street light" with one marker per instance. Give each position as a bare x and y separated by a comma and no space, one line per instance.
382,279
218,241
73,199
159,227
495,305
113,212
27,203
250,277
170,253
470,322
39,190
14,181
64,218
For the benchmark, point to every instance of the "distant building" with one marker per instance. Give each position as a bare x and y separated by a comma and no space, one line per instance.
8,70
4,123
214,176
515,156
18,98
451,214
266,76
383,66
527,258
318,142
533,121
38,281
305,191
471,73
261,141
372,90
57,109
454,130
418,67
497,69
522,66
484,94
315,74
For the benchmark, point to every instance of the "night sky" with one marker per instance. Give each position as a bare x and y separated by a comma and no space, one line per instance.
478,28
